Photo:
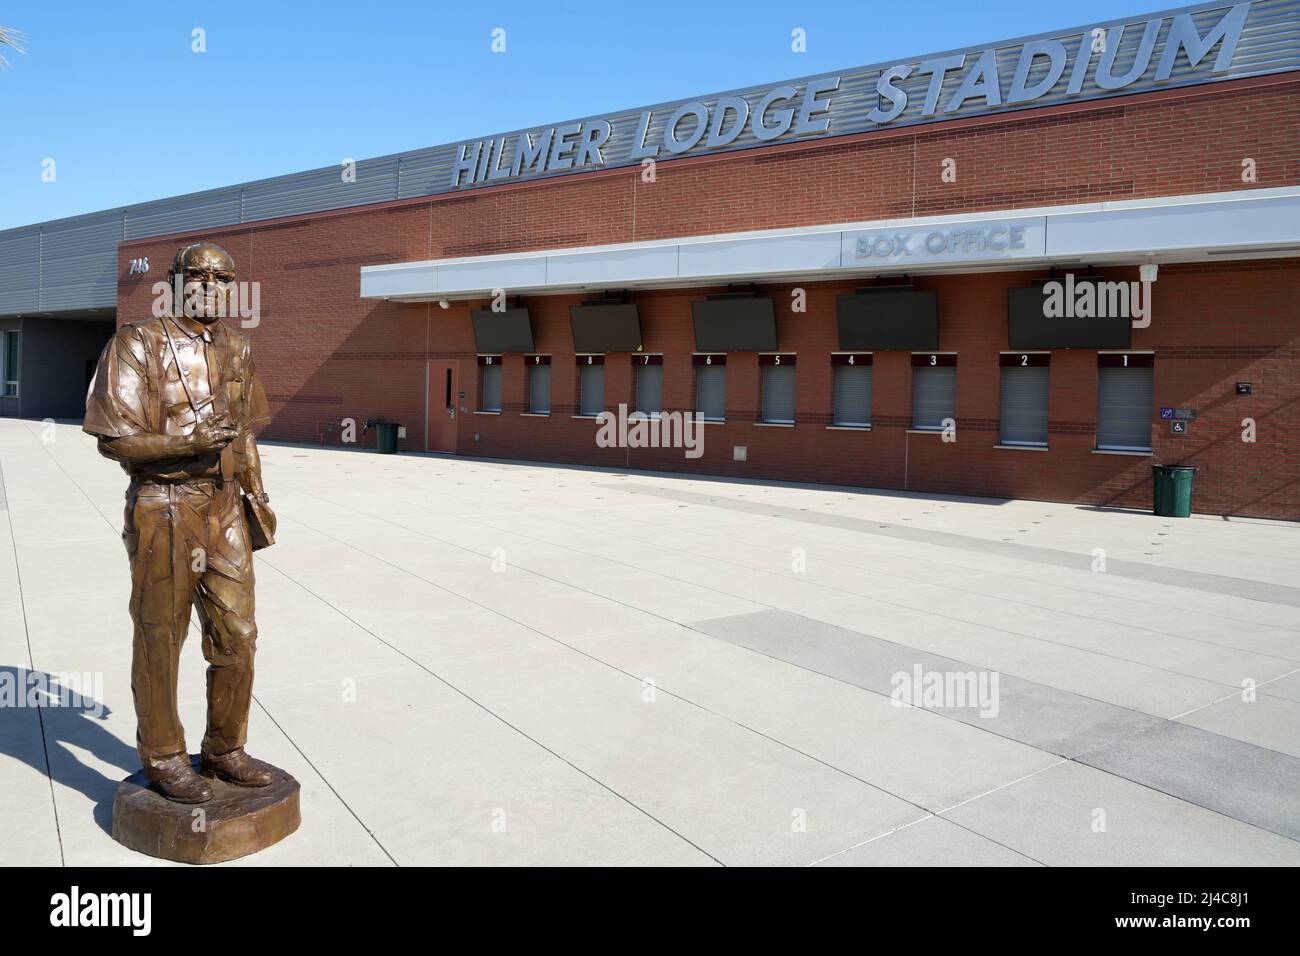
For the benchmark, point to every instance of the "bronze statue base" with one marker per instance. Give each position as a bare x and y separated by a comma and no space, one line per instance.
237,821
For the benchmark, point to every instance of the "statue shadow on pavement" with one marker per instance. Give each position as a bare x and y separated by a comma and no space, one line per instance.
45,724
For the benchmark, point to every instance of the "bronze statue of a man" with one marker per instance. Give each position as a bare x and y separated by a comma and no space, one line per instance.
176,399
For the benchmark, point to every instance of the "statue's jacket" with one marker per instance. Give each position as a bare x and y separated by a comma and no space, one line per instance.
137,389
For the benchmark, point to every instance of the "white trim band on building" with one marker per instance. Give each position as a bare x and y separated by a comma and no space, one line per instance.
1252,223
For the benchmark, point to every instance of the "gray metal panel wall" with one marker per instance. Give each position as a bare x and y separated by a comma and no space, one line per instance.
79,262
425,172
20,251
218,207
376,181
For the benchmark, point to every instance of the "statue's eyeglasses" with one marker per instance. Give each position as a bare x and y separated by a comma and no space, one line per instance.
209,275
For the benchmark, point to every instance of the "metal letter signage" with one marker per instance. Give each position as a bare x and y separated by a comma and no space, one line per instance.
960,241
1182,47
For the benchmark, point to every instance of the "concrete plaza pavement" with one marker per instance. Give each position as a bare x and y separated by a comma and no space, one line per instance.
480,662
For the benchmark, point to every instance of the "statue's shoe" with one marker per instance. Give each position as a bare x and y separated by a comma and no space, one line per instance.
238,768
176,780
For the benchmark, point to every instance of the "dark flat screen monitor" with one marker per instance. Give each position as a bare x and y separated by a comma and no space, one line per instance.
1029,326
734,324
877,320
507,331
605,327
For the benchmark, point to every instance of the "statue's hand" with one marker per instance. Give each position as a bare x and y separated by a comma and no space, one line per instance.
213,434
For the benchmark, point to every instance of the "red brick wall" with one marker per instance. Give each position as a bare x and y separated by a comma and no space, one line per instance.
326,354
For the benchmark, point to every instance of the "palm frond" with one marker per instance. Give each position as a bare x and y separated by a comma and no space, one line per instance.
13,39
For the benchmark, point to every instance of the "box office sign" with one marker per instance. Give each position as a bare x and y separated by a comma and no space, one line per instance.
1191,45
979,240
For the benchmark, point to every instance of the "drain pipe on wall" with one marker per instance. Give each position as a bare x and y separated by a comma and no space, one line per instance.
907,444
428,323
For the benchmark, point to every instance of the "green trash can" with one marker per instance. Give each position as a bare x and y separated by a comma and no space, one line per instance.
1172,490
386,437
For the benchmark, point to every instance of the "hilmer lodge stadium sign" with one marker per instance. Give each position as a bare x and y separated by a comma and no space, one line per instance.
1178,48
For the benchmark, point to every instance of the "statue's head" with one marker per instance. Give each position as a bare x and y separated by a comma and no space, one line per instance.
207,274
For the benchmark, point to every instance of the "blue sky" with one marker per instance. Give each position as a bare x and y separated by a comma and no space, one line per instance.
111,90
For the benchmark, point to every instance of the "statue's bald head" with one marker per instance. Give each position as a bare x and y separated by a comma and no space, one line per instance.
206,255
207,273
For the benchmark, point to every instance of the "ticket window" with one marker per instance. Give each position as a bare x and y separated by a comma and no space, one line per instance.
934,390
539,384
591,385
710,387
852,389
649,371
1023,402
777,383
1124,401
489,367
